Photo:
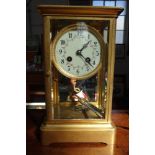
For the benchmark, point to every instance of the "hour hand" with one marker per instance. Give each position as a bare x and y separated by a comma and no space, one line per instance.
88,61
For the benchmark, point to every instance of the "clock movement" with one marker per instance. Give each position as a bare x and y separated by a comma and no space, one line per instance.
79,54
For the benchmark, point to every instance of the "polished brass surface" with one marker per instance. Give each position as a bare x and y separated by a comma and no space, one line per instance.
79,130
104,133
46,30
121,146
111,61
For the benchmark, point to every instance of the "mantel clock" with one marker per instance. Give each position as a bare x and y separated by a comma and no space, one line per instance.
79,53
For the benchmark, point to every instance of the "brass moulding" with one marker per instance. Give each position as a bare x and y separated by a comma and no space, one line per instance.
78,11
104,133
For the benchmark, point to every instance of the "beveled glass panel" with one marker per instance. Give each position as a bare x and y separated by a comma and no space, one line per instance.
105,35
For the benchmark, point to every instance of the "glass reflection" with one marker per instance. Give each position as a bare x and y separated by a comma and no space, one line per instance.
88,87
78,99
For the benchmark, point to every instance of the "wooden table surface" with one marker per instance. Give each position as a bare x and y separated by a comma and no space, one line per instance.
33,147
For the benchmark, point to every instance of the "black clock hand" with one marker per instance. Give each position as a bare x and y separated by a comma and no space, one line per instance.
84,46
78,52
87,60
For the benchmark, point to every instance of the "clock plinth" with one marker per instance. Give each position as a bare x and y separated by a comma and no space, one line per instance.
79,52
97,133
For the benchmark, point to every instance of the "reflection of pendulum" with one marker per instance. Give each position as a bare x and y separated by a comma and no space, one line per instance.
90,106
80,93
81,97
77,90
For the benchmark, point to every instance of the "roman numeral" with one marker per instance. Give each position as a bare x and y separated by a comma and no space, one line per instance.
62,42
70,35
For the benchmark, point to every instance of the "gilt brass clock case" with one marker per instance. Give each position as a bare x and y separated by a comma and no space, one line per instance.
86,28
58,127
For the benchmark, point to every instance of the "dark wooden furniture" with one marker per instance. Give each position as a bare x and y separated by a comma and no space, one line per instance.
34,79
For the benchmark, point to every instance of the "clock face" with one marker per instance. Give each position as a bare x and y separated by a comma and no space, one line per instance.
77,51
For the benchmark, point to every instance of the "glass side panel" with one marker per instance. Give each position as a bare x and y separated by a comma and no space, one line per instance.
105,35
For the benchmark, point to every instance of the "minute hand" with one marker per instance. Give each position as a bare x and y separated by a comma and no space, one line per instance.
86,60
84,46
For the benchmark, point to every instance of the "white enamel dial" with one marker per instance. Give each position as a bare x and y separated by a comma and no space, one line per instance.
77,52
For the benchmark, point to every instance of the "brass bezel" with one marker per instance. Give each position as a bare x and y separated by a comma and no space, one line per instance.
53,55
